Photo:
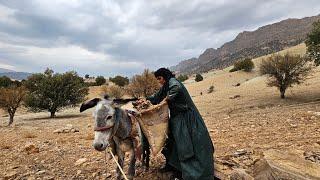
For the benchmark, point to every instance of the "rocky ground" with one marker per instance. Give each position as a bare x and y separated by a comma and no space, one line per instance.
245,118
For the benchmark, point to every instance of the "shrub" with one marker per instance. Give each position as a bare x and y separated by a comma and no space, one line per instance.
246,65
120,81
113,91
100,80
5,81
182,77
211,89
285,71
198,78
143,85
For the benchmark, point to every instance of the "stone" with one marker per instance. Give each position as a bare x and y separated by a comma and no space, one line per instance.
31,148
79,172
240,152
240,174
40,172
58,131
10,174
80,161
278,164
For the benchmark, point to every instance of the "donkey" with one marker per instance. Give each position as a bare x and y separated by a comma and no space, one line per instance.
114,128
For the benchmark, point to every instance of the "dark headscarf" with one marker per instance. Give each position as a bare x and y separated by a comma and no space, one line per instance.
165,73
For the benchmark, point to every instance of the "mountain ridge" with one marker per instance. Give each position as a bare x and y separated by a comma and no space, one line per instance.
250,44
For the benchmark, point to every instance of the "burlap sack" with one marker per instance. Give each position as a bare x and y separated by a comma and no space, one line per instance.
154,124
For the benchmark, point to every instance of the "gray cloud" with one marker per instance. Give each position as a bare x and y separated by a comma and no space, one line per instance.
124,37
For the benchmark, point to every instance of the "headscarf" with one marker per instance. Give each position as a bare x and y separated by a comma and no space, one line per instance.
165,73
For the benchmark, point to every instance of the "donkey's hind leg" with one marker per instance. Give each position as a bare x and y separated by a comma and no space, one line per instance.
132,165
145,152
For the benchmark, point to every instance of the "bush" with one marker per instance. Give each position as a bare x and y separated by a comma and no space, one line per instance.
143,85
246,65
211,89
52,92
285,71
87,76
313,43
113,91
100,80
198,78
5,81
182,77
120,81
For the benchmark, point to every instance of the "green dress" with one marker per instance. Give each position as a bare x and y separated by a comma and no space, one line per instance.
189,147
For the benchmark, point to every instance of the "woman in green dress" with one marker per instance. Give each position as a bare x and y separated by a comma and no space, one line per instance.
189,149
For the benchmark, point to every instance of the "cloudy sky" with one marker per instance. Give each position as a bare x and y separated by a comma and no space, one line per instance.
110,37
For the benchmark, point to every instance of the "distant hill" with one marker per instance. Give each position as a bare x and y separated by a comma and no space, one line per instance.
15,75
2,70
265,40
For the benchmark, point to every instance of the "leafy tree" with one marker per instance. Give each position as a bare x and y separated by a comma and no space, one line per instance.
143,85
198,78
285,71
52,92
120,81
246,65
86,76
313,43
100,80
10,100
5,81
182,77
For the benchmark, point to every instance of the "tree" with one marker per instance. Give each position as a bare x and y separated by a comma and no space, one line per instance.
313,43
5,81
182,77
100,80
120,81
246,65
53,92
143,85
285,71
10,100
86,76
198,78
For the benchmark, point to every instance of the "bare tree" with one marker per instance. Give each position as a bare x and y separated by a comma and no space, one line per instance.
10,100
143,85
113,91
285,71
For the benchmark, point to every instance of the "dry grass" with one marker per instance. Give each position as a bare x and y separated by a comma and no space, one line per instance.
88,137
6,145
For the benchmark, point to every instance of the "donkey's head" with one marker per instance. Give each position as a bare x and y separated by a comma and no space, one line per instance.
104,121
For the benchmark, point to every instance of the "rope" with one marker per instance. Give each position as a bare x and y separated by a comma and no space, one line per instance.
115,160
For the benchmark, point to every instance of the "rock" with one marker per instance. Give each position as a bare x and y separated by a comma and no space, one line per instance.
58,131
31,149
240,174
240,152
79,172
40,172
108,175
285,165
316,113
10,174
80,161
234,97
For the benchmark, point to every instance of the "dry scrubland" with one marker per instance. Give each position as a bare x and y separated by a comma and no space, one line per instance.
249,118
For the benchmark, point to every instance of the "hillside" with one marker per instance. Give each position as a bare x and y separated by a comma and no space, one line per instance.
16,75
265,40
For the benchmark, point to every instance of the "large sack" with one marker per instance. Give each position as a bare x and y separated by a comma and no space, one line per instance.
154,124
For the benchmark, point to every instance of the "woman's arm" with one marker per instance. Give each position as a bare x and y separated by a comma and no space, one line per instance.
157,97
174,90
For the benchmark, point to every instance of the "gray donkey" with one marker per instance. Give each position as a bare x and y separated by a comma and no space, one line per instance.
114,128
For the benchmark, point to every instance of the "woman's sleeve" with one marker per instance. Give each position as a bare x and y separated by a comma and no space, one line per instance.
157,97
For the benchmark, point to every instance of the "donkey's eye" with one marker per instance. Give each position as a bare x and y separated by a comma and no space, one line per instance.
109,117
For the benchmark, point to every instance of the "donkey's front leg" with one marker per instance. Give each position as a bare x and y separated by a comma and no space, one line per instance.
132,165
121,155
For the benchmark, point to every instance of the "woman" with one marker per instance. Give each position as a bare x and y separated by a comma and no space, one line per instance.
188,149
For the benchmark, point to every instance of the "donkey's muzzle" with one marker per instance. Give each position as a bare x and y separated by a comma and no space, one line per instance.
99,146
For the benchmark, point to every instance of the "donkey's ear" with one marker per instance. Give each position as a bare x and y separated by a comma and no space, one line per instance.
89,104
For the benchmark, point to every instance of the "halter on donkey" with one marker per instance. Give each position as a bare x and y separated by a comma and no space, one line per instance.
115,128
